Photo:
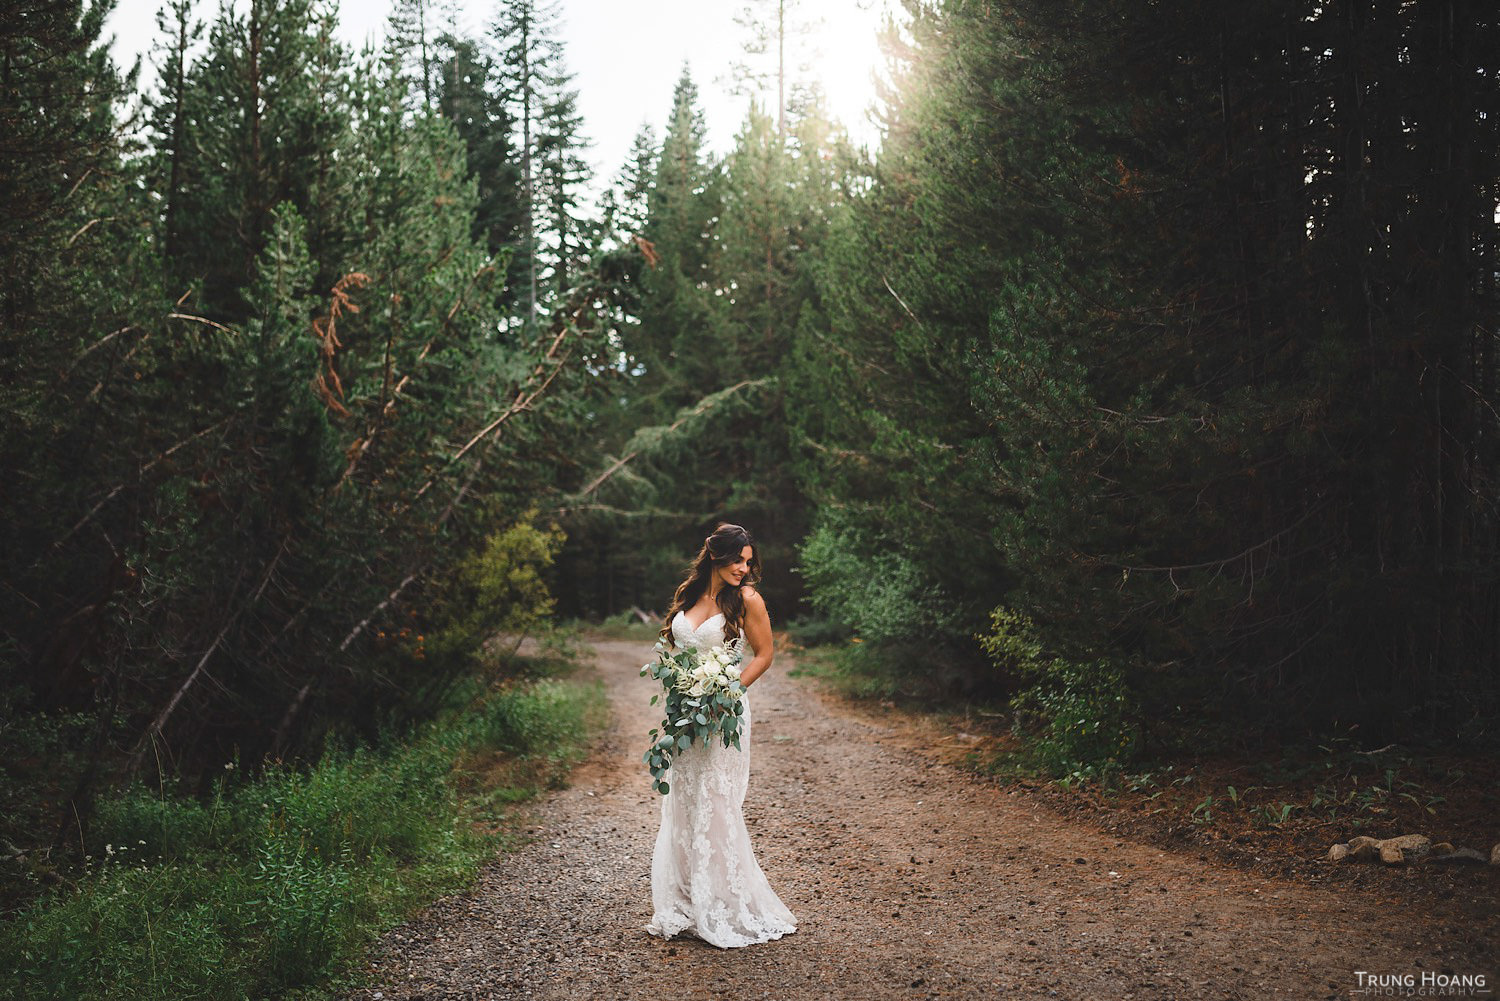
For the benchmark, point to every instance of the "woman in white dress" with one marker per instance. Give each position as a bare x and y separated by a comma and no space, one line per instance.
705,880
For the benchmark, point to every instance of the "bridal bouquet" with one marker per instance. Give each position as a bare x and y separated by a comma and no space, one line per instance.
703,699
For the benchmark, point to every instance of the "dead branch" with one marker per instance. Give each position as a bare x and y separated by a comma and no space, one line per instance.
128,355
88,226
325,328
353,633
118,487
702,407
203,320
357,449
648,249
523,400
619,512
92,347
148,739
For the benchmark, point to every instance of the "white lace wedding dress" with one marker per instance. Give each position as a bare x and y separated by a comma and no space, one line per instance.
704,877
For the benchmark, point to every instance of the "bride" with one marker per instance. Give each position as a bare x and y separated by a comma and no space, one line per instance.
705,880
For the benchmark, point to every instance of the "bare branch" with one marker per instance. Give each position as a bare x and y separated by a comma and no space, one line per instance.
148,739
203,320
700,408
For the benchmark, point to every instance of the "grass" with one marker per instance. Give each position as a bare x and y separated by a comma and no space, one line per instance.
275,886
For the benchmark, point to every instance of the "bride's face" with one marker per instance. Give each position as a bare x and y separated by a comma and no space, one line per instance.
730,574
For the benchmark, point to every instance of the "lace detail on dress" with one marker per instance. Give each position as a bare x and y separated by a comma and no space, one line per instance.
705,879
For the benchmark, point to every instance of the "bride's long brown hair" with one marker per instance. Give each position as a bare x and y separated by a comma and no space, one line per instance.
721,548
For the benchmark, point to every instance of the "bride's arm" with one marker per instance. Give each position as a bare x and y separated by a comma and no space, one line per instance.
757,634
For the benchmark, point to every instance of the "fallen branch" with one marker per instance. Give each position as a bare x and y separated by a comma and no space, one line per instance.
93,347
148,739
203,320
379,608
523,401
106,498
361,446
700,408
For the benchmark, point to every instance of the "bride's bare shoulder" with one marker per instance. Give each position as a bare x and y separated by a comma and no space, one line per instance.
752,597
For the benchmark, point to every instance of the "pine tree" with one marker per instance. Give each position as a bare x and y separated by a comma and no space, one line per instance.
467,88
757,237
681,306
56,131
534,84
178,32
769,25
632,189
562,173
415,29
267,124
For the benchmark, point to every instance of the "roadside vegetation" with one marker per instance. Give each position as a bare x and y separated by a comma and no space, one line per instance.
274,885
1248,795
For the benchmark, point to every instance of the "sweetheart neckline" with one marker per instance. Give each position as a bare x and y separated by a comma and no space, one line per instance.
694,629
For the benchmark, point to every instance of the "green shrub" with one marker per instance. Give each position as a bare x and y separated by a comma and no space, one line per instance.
872,588
301,907
533,719
1075,716
498,589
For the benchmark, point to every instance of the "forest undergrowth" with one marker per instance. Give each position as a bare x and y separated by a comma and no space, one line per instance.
273,885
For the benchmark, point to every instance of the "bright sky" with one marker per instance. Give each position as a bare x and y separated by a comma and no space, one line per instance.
626,56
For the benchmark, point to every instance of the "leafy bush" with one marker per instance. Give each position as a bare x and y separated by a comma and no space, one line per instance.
874,589
1076,716
536,719
818,632
498,589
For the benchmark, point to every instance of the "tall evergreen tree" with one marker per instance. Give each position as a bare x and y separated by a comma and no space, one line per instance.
681,305
57,131
769,25
468,97
535,86
561,175
267,123
178,31
632,190
415,31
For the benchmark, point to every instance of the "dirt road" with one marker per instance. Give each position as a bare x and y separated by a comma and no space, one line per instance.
909,879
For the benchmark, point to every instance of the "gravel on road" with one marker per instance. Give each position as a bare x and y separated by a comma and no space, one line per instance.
909,877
